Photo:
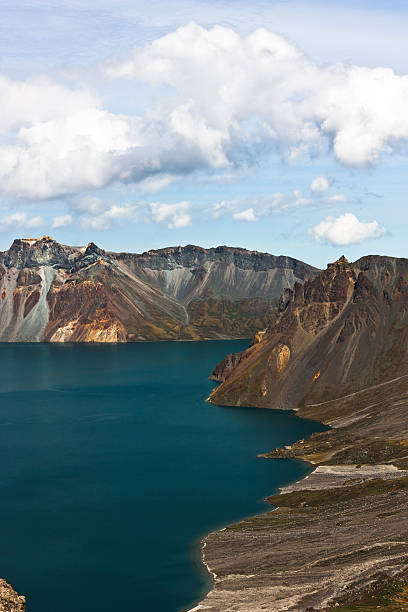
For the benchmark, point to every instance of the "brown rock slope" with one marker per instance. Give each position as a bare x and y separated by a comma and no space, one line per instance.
342,331
339,538
52,292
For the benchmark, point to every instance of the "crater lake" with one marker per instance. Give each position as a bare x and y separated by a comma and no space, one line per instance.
113,466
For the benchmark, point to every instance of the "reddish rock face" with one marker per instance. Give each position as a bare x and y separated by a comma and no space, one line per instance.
26,276
30,302
338,333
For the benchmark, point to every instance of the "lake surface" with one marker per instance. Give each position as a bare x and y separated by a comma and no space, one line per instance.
112,466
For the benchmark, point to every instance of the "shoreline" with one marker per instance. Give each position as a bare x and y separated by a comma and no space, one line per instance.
339,535
104,343
203,543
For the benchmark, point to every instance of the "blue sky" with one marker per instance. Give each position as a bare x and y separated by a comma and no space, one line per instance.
276,126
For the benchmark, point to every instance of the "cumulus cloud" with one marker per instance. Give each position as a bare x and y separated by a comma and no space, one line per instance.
20,221
38,99
153,184
174,215
218,100
245,215
62,221
101,215
346,229
224,78
320,185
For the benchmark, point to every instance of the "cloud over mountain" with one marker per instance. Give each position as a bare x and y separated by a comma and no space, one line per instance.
346,229
216,100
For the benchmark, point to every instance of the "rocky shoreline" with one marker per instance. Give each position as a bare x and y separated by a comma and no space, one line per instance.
337,539
10,601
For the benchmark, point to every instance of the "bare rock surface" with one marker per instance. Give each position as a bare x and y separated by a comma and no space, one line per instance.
10,601
58,293
340,332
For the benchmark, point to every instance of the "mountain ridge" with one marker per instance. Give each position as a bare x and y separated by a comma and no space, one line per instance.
335,334
60,293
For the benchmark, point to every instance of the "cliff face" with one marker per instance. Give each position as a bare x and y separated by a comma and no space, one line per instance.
340,332
59,293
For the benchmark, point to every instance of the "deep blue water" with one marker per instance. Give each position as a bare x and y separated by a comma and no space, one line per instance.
112,466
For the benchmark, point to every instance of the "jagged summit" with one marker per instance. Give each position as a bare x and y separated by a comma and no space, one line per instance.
339,332
340,262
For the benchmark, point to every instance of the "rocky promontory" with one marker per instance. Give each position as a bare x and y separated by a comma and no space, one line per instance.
338,539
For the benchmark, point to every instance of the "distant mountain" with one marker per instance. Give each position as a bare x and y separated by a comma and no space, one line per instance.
57,293
342,331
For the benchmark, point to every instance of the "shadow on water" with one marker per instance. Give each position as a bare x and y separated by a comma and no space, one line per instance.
112,466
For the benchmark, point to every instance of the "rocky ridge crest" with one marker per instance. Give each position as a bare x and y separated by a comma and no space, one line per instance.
58,293
341,331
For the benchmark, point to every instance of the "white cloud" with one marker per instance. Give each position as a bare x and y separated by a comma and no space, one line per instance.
217,100
254,207
153,184
346,229
320,185
222,79
101,215
80,151
90,205
174,215
38,99
97,213
245,215
20,220
62,221
337,198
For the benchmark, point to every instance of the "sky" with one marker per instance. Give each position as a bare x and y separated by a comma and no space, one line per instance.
278,126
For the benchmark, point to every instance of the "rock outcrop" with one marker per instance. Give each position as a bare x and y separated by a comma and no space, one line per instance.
340,332
57,293
10,601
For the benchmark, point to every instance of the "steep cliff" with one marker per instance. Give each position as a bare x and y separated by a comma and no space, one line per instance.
340,332
57,293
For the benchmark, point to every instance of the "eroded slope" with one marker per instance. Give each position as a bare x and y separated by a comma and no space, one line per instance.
342,331
59,293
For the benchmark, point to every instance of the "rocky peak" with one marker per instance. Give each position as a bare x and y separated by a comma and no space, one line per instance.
340,262
344,330
92,248
35,252
90,255
332,285
45,251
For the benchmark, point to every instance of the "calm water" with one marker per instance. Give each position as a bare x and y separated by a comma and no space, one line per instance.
112,466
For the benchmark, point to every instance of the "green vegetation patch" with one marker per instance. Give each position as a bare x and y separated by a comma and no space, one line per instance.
373,452
386,593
